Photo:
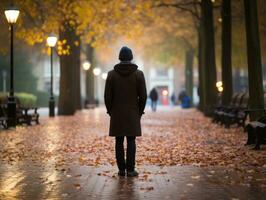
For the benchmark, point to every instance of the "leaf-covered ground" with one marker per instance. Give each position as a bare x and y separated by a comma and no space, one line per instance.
170,137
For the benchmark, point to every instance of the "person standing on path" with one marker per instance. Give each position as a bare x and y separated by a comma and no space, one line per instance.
154,98
125,99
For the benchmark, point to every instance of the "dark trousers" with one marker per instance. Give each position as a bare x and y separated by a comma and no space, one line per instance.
153,105
129,163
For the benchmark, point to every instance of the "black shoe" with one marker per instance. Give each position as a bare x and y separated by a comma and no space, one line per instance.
132,173
121,173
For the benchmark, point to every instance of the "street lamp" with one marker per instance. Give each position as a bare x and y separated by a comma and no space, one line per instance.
219,84
86,65
51,42
11,14
104,76
96,71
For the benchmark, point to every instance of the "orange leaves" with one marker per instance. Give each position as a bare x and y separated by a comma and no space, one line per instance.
173,137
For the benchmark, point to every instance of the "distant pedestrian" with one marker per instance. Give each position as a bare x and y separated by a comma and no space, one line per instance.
184,99
125,99
154,99
173,99
186,102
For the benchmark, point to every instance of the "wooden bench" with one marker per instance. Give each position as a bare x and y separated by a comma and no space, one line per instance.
91,104
26,114
237,115
221,114
3,117
257,131
219,109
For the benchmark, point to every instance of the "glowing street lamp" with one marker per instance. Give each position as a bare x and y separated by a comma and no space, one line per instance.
86,65
96,71
219,84
164,92
220,89
104,76
11,14
51,42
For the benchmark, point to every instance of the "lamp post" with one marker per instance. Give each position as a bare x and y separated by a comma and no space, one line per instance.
4,80
11,14
86,66
51,42
220,89
97,71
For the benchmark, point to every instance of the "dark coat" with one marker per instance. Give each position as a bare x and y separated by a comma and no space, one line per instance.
154,95
125,98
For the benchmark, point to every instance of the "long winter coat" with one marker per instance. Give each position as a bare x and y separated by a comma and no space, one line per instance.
125,98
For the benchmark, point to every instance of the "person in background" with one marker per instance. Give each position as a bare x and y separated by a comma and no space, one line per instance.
173,99
154,99
184,99
125,99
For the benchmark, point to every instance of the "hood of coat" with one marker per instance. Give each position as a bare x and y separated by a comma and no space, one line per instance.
125,68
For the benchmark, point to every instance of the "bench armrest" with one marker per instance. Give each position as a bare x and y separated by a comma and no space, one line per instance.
254,110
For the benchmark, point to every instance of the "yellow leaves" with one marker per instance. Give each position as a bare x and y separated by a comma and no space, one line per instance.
48,50
77,186
72,23
31,36
63,48
76,43
195,177
147,188
82,160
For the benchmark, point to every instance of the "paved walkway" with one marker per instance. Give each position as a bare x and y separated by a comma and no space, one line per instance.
178,158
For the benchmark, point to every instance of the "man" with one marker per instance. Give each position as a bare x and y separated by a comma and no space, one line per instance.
125,99
154,98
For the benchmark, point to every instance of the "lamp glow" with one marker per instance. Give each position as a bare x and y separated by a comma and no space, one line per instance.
219,84
51,41
96,71
86,65
165,92
104,76
220,89
12,15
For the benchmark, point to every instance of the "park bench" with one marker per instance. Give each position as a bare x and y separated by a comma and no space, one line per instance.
220,114
26,115
91,104
3,117
237,115
257,132
221,108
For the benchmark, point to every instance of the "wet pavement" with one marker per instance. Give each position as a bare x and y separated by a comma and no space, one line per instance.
72,158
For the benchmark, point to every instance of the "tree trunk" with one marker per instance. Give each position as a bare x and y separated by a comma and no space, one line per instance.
226,52
69,97
256,100
89,76
76,50
200,70
189,72
208,57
